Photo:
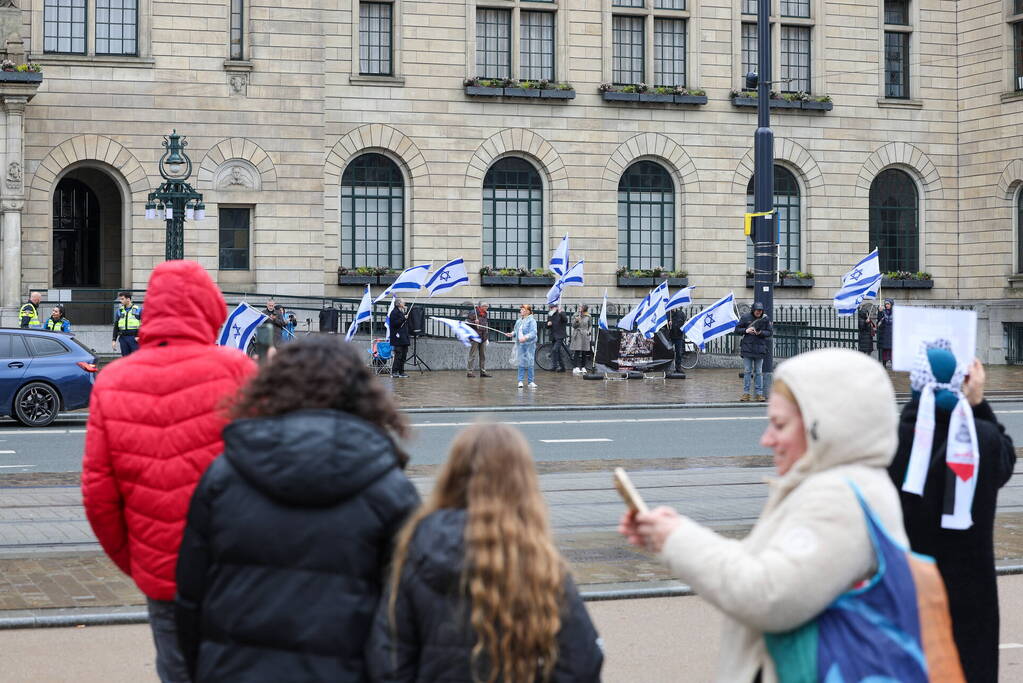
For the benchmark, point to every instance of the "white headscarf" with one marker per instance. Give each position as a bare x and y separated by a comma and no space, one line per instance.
962,455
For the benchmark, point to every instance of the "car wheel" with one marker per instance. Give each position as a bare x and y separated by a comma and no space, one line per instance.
36,405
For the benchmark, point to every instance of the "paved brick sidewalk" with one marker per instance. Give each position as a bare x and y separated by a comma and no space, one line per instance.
712,385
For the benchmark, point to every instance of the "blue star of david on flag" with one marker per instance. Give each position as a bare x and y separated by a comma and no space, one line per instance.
451,274
713,321
859,284
240,327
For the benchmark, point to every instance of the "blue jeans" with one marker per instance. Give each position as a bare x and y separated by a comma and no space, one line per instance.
526,371
755,367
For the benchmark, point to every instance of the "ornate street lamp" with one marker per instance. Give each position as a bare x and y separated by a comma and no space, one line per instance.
175,200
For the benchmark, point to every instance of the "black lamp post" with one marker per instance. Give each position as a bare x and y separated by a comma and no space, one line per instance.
764,231
175,200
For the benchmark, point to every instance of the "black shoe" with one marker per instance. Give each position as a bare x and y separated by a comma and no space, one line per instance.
403,376
560,370
485,374
470,374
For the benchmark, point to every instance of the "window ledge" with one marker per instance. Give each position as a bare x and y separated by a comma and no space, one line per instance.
237,65
1013,96
93,60
1016,280
376,80
896,103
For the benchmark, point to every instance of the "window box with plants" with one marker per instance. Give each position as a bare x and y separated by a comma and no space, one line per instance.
367,275
902,279
661,94
786,278
503,87
20,73
794,100
651,277
515,277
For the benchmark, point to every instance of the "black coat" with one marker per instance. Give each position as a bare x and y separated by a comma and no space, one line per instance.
676,320
754,345
865,329
399,328
434,636
965,558
288,537
884,329
557,323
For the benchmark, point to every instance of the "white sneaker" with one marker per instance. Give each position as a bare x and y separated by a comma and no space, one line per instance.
532,385
575,371
520,385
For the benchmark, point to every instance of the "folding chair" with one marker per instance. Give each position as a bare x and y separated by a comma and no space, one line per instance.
382,355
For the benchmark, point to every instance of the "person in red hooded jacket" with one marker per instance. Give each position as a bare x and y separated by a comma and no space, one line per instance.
155,422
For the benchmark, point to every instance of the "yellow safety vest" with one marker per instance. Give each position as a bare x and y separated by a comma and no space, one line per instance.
56,325
32,313
127,320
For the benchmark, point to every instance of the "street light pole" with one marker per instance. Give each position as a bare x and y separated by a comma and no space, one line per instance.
763,173
175,200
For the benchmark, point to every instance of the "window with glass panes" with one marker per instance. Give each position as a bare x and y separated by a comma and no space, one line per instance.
896,65
646,217
788,216
628,3
375,38
896,12
237,46
234,231
795,8
1017,47
670,52
750,57
512,215
894,221
116,27
536,43
372,213
795,58
670,4
493,43
64,26
627,60
1019,230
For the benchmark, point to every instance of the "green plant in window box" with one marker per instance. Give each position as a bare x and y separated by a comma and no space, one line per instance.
563,86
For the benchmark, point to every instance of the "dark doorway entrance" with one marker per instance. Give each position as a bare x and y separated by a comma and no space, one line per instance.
87,230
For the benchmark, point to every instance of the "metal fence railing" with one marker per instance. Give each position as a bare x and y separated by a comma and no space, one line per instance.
1013,343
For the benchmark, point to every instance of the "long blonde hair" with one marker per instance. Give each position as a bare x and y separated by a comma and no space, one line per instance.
513,574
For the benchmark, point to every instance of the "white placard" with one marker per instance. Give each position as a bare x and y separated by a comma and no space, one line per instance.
915,324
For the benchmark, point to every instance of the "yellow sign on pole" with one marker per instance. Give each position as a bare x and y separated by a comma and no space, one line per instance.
748,223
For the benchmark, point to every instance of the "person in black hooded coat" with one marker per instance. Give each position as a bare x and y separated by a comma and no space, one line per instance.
460,562
965,558
290,530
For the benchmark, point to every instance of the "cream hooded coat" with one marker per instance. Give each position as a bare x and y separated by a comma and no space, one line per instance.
810,543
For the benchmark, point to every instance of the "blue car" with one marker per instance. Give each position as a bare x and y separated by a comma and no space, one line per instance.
42,373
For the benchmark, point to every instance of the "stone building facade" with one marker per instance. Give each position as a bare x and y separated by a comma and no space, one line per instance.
281,101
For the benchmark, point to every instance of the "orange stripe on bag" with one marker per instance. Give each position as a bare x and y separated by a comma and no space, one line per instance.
935,623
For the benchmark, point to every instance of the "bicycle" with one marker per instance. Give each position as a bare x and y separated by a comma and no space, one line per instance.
544,360
690,355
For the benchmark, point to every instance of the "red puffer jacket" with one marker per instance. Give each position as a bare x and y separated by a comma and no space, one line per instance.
155,422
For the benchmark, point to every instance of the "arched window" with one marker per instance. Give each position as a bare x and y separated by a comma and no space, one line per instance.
787,203
646,217
512,215
1019,230
895,221
372,213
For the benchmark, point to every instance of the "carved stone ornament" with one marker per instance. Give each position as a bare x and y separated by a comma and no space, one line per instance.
8,3
239,83
14,176
237,175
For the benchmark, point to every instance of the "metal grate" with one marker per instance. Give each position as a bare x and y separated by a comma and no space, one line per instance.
894,227
1014,343
646,217
372,213
628,40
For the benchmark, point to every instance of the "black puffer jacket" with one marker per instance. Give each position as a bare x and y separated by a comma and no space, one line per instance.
754,345
434,637
288,538
966,558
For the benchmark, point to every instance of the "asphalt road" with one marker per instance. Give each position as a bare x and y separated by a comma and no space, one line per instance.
554,436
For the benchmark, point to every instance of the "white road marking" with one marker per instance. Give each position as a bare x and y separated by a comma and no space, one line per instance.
7,452
10,466
595,422
1009,646
568,440
30,431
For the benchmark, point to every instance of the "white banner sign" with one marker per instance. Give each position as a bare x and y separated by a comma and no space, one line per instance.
914,325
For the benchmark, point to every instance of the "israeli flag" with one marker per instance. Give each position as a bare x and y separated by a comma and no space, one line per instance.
628,322
861,283
572,278
411,280
554,293
365,309
451,274
678,299
240,327
654,317
717,319
462,330
602,323
559,261
387,320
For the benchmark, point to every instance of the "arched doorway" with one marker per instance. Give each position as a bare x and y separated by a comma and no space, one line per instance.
87,208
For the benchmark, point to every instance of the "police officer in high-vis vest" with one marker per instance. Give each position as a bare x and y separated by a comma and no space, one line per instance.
28,316
126,325
57,322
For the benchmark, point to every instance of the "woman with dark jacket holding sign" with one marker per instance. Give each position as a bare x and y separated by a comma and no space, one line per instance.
952,459
289,531
478,590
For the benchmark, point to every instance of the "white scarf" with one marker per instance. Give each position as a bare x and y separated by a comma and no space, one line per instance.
962,455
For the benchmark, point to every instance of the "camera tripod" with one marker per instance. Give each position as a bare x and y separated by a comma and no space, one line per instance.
414,359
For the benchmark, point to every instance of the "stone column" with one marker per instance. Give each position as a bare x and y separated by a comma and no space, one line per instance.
13,199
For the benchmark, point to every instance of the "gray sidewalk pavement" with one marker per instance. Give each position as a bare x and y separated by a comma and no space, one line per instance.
665,640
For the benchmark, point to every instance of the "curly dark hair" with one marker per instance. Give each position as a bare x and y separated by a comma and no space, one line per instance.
319,372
